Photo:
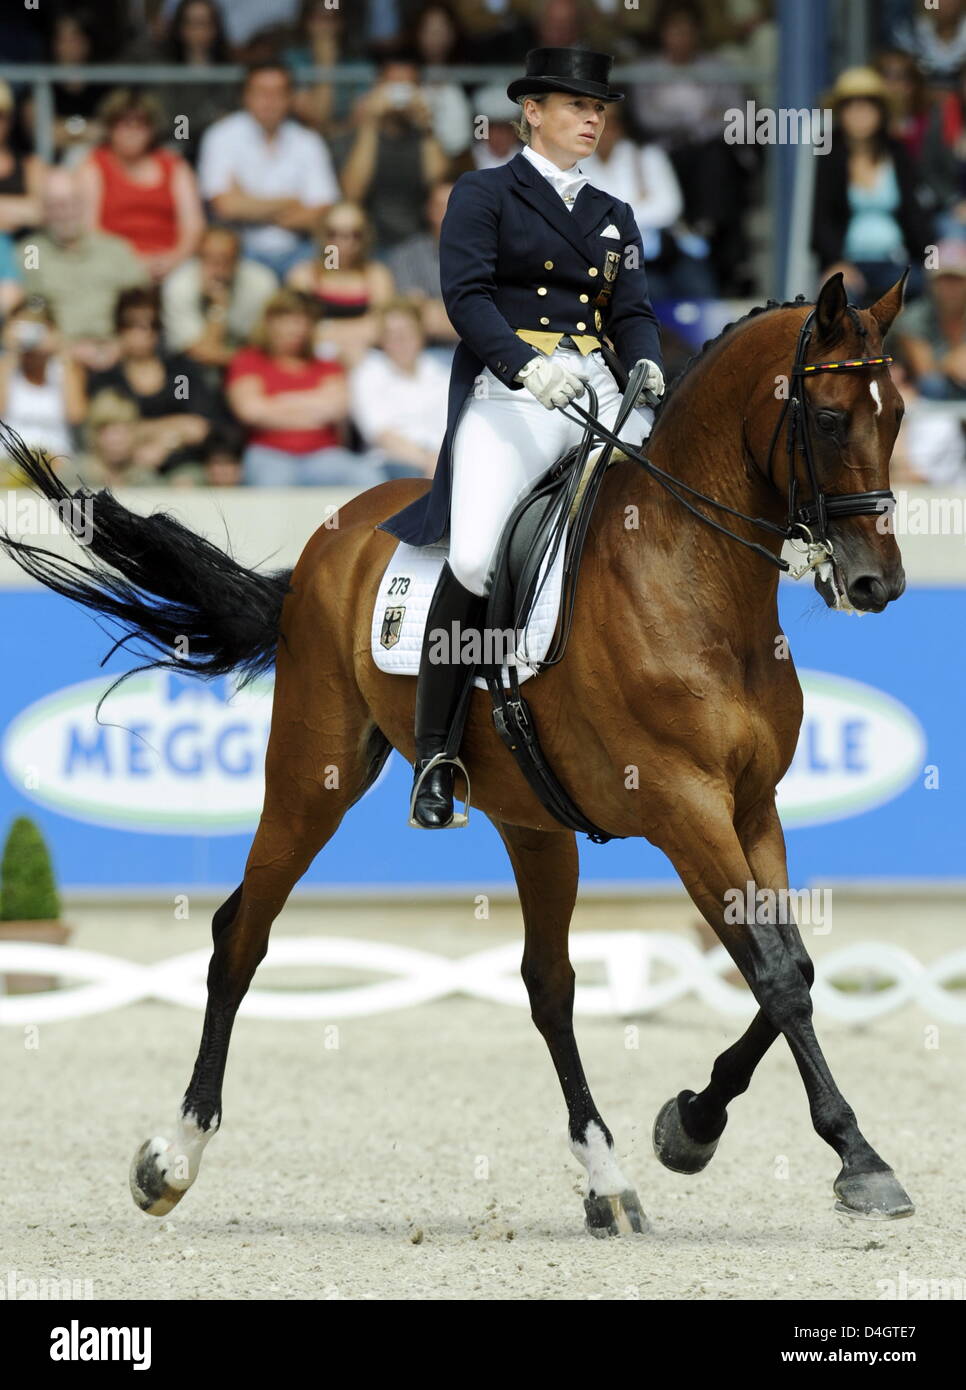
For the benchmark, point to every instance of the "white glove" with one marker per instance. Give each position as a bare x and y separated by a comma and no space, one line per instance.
551,382
653,387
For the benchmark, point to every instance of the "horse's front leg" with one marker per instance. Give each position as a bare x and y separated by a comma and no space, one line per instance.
545,866
713,866
688,1127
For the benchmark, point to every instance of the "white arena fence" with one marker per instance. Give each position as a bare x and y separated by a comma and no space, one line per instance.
637,973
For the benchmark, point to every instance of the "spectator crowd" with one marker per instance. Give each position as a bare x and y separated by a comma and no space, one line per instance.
238,282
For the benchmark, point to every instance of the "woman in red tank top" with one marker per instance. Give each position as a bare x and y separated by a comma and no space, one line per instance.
348,287
139,192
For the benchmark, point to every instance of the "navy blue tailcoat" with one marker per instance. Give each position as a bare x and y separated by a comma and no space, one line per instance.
513,256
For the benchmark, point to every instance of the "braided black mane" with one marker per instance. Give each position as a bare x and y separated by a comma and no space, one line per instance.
767,308
706,347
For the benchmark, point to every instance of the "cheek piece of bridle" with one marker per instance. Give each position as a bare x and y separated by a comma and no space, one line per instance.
807,522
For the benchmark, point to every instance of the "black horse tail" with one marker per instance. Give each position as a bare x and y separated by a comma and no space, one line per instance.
178,600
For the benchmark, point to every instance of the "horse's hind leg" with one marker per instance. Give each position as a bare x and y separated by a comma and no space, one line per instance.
688,1127
545,866
714,868
300,815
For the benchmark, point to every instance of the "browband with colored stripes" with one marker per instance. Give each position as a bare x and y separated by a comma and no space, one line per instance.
813,516
806,522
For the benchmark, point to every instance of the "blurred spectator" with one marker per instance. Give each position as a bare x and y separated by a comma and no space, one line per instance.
570,24
867,220
733,29
497,31
322,42
244,20
11,276
683,110
686,117
112,457
196,39
499,141
294,405
438,41
908,99
79,272
932,331
76,127
223,456
41,389
415,266
393,158
20,175
931,129
644,177
212,302
345,282
930,447
936,38
941,158
21,35
263,171
138,191
174,406
399,395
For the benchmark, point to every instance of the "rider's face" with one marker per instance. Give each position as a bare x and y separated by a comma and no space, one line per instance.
566,127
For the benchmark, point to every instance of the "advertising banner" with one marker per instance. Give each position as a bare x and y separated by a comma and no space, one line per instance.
164,787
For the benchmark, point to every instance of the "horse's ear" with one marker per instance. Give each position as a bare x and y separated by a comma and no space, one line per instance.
884,310
830,305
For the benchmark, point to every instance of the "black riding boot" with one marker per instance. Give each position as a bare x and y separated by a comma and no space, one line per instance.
443,694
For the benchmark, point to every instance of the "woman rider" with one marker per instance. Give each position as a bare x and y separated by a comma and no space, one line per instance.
536,265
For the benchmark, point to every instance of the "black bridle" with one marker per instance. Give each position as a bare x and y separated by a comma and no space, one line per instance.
806,522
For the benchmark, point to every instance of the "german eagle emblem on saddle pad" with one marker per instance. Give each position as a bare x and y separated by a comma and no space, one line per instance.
402,603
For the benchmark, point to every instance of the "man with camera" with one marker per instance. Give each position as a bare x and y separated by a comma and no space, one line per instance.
393,158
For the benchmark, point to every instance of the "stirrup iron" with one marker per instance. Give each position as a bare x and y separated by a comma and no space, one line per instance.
460,818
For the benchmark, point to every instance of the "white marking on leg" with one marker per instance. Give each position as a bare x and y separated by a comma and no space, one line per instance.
604,1177
179,1158
876,396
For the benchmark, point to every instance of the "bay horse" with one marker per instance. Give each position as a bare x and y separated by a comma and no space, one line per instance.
676,665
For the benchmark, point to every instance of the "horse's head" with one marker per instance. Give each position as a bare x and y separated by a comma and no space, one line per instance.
848,423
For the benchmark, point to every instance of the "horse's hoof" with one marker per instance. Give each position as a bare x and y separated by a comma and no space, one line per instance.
615,1216
152,1187
674,1145
877,1196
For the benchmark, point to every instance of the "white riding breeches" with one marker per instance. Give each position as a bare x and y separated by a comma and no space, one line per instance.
503,442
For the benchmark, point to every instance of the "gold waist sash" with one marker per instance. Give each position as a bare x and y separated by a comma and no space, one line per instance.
547,342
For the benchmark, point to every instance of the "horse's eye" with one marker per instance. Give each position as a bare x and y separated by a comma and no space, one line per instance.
827,421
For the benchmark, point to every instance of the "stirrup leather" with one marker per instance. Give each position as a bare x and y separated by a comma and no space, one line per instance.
460,818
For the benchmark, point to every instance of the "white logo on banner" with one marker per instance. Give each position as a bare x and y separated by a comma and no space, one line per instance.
182,757
857,749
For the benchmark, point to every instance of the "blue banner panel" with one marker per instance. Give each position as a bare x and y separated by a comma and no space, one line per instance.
166,789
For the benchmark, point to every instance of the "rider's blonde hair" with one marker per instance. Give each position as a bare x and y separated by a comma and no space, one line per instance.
522,126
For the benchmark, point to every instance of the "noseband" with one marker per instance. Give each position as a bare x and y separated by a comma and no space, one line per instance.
807,522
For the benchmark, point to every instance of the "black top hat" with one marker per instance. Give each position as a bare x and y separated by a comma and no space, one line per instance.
566,70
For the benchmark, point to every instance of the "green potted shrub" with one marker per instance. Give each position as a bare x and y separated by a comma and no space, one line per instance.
29,901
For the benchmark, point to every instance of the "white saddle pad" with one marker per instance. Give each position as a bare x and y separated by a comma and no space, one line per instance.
402,603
